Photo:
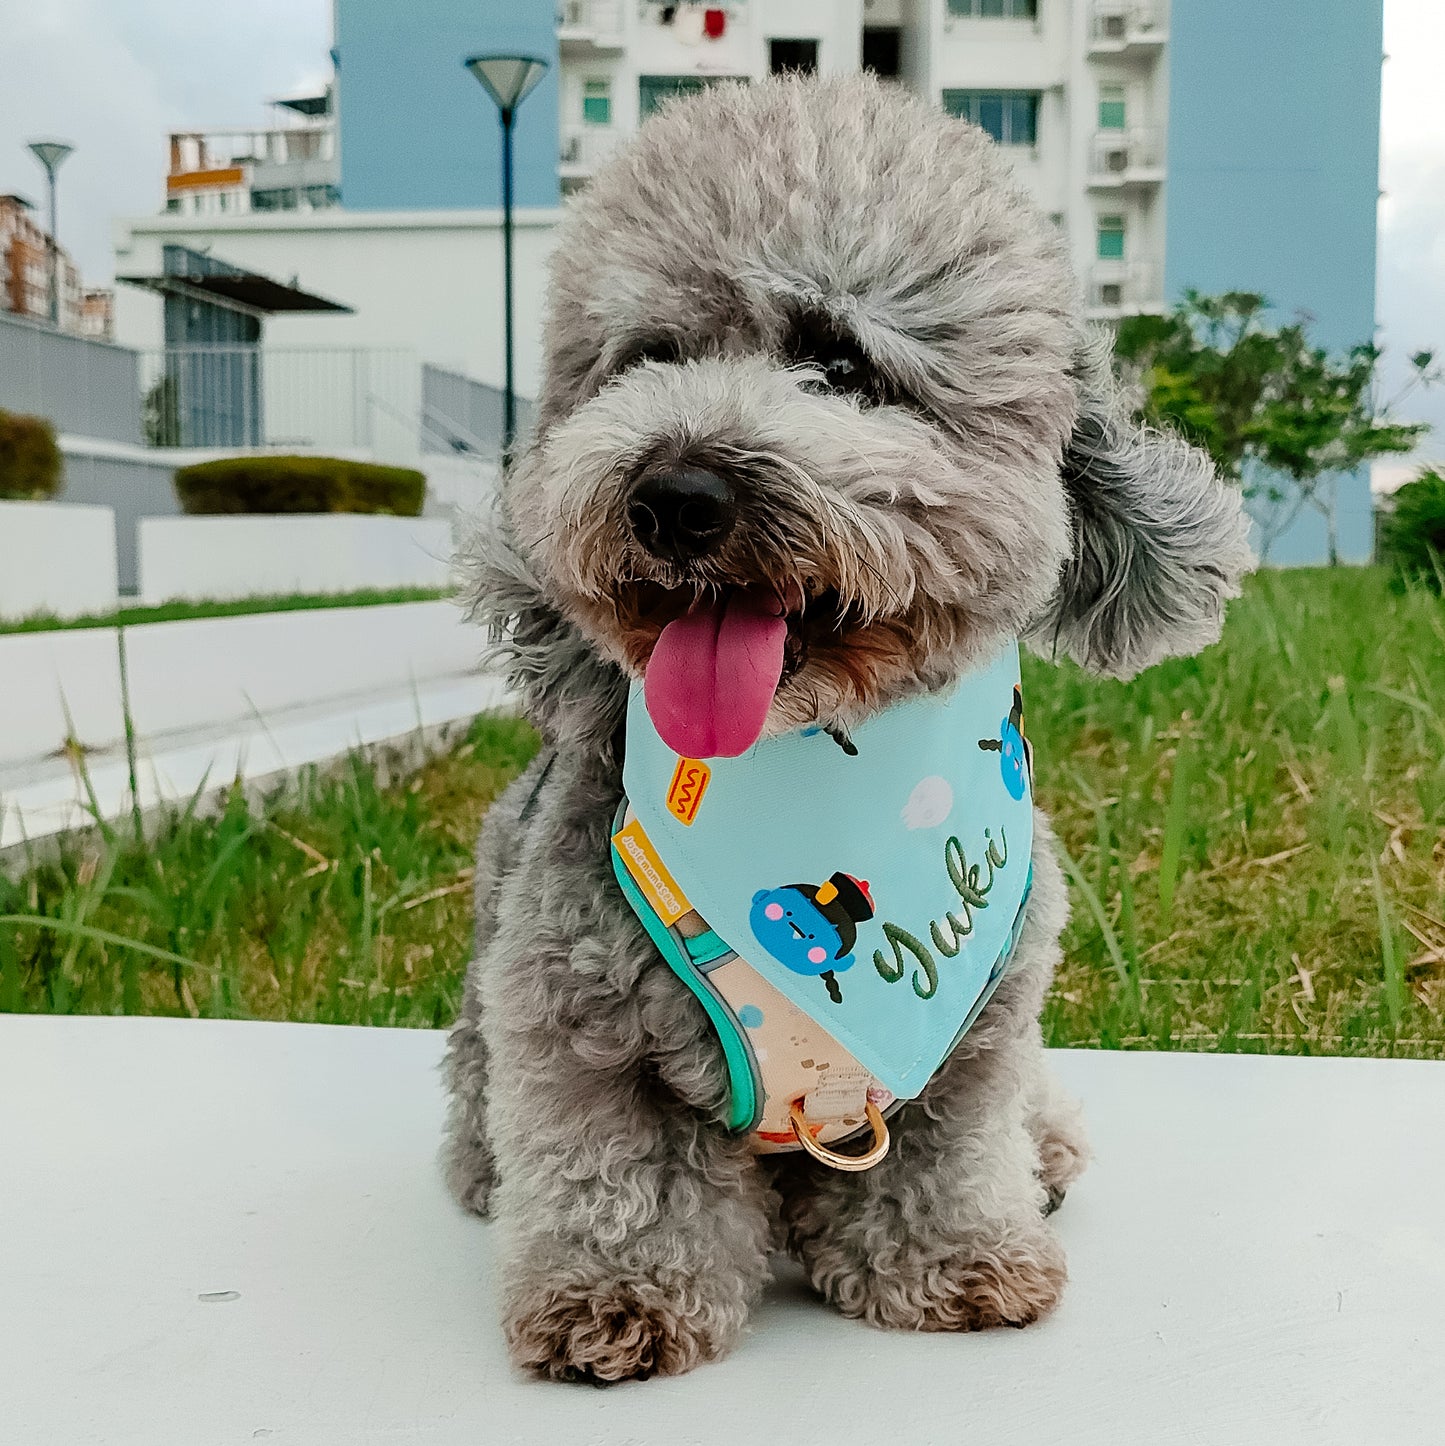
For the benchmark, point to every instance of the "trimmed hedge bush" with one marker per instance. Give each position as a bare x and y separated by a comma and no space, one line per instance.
1412,533
31,467
299,484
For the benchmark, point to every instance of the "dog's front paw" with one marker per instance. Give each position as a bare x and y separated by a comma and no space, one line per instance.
1063,1148
1011,1284
606,1331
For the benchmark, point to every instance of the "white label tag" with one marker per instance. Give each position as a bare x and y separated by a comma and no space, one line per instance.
839,1095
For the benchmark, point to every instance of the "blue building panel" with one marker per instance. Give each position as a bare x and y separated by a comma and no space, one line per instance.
417,132
1273,167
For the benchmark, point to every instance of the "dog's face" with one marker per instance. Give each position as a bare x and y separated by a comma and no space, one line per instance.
814,369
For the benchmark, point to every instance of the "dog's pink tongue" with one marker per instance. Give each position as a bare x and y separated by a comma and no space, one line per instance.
713,674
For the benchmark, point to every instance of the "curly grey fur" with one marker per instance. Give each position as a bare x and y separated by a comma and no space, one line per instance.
981,489
1160,543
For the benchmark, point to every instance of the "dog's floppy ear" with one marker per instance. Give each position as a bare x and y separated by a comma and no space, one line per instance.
1159,541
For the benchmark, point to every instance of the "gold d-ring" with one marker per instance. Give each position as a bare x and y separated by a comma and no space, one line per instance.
865,1161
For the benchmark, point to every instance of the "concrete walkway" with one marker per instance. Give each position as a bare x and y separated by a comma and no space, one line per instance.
228,1233
215,699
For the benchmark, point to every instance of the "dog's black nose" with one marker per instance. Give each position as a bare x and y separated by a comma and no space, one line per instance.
680,513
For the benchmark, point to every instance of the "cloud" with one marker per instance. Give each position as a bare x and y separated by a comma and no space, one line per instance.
113,76
1410,303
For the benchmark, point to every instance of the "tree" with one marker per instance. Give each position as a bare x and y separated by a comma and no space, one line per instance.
1280,416
161,414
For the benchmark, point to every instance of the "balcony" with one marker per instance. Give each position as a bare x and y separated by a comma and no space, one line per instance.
221,150
1126,160
239,166
1133,28
587,27
1123,288
584,148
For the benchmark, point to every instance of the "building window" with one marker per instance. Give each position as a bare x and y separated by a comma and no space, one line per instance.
597,102
653,90
1111,238
994,9
1111,107
793,55
883,50
282,199
1011,117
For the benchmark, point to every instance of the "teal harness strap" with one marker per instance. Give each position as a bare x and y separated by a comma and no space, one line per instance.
688,958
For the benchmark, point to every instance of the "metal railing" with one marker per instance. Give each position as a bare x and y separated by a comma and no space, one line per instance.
263,396
1123,286
591,19
1122,154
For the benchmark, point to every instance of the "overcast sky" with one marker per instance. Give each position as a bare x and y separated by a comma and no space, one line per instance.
114,76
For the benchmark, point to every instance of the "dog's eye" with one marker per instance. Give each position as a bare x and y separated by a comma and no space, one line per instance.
842,369
654,349
844,364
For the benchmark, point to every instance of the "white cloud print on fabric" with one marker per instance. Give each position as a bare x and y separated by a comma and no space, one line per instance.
930,803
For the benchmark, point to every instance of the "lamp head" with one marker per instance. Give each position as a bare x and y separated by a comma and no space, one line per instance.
50,153
508,79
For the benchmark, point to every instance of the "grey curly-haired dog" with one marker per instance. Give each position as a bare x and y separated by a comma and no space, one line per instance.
823,334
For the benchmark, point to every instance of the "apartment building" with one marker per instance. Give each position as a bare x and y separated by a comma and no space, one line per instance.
1179,143
25,276
1076,91
290,165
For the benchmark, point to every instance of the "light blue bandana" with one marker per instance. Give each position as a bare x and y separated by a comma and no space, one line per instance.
879,888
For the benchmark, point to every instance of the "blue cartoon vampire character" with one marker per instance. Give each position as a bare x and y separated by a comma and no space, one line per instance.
1016,754
812,928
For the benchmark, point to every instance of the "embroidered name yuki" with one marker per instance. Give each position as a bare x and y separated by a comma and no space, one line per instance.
972,895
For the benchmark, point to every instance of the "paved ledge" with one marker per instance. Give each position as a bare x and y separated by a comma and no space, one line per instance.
40,800
213,699
218,1233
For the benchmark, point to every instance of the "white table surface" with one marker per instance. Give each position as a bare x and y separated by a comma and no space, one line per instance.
1258,1255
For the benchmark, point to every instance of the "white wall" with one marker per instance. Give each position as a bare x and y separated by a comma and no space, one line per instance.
426,281
260,556
56,557
56,685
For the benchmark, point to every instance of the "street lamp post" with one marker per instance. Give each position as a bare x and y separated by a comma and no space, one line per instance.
508,79
50,154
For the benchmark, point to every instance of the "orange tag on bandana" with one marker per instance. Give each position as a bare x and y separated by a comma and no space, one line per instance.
689,783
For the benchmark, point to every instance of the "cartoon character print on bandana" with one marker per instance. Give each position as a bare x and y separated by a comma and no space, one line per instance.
1016,759
811,928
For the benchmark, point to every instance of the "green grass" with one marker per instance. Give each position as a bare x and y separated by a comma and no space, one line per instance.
343,899
1255,838
180,611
